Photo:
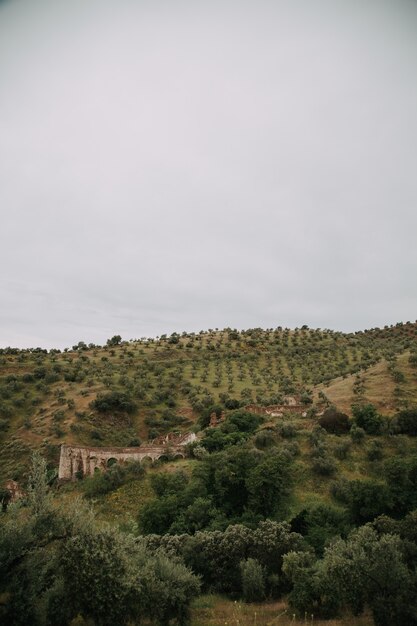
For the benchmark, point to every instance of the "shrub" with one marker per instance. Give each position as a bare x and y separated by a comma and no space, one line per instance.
215,440
319,524
135,442
367,499
317,436
103,482
406,422
287,430
357,434
375,452
114,401
4,424
232,403
324,465
341,451
243,421
253,580
265,439
198,452
366,417
292,448
334,421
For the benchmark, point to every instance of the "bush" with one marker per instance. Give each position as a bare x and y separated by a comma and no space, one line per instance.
4,424
334,421
341,451
101,483
366,499
375,452
253,580
319,524
324,465
243,421
287,430
406,422
265,439
215,440
357,434
114,401
367,417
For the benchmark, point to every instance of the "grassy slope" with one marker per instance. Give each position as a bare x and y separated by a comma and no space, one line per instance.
380,388
216,610
45,398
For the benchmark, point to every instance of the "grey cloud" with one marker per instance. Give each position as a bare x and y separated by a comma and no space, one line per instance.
184,165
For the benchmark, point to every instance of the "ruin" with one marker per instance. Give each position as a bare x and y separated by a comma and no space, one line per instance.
276,410
77,461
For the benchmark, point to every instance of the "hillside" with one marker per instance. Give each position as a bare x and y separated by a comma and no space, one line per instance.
171,381
305,440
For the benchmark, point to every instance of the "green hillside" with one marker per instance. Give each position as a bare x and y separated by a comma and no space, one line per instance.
171,381
312,461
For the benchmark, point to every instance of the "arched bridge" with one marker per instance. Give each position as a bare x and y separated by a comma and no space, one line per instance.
76,460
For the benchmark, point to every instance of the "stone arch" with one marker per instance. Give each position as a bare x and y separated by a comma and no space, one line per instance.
147,460
178,455
111,461
164,458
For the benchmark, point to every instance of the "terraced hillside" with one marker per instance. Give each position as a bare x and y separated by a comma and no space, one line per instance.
130,391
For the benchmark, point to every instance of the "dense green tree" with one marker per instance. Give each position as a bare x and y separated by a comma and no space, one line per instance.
114,401
366,499
114,341
334,421
367,417
319,524
370,569
268,483
406,422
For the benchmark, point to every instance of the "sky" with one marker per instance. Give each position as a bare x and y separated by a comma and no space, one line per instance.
171,165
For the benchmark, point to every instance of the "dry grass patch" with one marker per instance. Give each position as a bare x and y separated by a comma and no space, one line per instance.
210,610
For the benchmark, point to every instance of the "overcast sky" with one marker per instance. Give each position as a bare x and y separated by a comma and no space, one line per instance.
183,165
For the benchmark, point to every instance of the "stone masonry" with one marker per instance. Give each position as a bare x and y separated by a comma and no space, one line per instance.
85,460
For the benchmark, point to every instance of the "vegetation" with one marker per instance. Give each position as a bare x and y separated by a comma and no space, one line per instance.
300,492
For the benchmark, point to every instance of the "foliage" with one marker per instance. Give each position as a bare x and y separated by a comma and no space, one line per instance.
56,564
365,499
366,417
357,434
253,580
334,421
217,555
268,483
319,524
114,401
406,422
101,483
368,569
114,341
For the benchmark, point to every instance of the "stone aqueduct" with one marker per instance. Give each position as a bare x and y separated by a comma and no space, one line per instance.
77,460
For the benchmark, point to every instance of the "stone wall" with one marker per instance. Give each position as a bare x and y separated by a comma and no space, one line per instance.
85,461
276,410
